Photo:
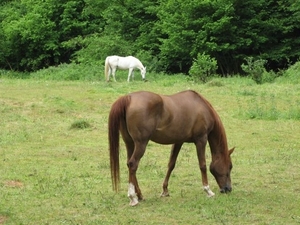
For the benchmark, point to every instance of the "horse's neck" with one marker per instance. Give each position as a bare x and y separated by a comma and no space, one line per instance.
217,141
140,65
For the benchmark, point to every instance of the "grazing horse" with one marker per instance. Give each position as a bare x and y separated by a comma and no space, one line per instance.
167,119
112,63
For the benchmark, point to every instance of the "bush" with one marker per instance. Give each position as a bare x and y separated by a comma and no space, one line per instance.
256,69
268,77
203,68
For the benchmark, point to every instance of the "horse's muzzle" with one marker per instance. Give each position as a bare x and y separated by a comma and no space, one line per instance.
226,189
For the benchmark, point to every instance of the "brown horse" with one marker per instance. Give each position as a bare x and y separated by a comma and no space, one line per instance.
175,119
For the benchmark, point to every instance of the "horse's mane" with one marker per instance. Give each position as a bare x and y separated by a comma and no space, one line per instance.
218,126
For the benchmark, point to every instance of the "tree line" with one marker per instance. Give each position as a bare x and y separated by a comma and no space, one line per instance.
165,34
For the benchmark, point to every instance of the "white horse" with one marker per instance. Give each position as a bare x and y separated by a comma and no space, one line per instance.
123,63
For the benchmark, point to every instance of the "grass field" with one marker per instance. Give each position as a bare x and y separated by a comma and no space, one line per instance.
54,166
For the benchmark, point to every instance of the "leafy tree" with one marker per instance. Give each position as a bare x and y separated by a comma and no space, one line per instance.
133,21
228,30
194,27
98,47
170,34
269,29
128,31
36,31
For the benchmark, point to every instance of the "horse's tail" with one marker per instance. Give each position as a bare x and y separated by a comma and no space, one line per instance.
116,118
106,69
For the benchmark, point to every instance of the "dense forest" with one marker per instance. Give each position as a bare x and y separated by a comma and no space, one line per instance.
167,34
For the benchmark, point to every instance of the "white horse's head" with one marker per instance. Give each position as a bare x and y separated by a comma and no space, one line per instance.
143,73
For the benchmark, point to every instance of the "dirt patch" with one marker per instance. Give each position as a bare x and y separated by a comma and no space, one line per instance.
13,184
2,219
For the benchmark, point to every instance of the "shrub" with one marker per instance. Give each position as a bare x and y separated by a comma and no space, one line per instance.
255,68
203,67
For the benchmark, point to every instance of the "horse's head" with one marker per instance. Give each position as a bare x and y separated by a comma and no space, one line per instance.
143,73
220,169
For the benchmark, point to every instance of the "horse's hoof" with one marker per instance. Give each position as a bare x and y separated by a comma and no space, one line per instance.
134,202
165,194
209,195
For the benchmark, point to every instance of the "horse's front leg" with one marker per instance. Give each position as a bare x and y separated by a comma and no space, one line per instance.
134,191
200,145
130,73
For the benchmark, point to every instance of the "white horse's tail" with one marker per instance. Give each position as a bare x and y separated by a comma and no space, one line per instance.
106,69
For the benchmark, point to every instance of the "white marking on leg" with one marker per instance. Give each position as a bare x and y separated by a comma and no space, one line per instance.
208,191
132,195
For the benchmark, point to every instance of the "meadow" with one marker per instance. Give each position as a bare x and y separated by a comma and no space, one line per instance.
54,165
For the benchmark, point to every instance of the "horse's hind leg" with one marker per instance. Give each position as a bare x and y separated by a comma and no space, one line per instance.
134,156
114,73
109,74
172,161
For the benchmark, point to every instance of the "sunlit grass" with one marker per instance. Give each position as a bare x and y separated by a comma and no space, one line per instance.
51,174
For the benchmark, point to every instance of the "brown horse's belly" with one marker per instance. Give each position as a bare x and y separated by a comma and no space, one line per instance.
170,137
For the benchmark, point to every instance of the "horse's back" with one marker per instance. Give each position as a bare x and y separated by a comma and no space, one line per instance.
187,103
130,61
190,115
124,62
112,59
183,103
168,119
143,104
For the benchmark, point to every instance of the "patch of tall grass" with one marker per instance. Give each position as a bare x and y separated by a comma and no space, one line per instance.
264,106
80,124
84,72
291,75
13,74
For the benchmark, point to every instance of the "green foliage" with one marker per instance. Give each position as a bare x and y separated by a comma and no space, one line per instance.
97,47
34,30
151,62
203,68
13,74
255,69
168,35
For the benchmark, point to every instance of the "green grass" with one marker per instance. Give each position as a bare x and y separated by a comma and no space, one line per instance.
53,174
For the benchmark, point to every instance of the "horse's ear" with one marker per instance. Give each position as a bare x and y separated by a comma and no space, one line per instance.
231,151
